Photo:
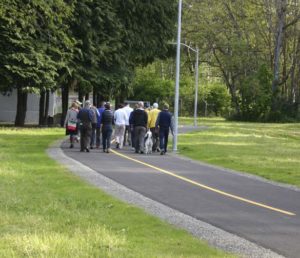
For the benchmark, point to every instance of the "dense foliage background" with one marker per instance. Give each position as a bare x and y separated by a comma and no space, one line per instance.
86,45
249,54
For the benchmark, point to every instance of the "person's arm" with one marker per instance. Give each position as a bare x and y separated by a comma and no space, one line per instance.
113,120
132,118
125,116
79,115
91,115
115,114
102,118
146,119
157,121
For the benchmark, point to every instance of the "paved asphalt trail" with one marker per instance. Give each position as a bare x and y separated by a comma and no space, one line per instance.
199,190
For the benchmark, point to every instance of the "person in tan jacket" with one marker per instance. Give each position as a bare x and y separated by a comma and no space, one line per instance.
153,114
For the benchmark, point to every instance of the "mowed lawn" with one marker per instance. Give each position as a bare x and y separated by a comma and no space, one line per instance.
271,151
45,211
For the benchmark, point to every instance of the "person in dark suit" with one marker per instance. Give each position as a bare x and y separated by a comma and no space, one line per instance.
139,121
85,116
107,119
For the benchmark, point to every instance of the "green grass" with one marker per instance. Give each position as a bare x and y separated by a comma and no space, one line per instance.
271,151
45,211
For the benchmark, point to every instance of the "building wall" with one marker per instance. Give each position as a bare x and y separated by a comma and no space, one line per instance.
8,107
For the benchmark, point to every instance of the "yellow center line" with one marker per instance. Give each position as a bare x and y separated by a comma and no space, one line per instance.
205,186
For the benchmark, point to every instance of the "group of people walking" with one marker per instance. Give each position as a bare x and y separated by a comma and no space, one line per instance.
130,126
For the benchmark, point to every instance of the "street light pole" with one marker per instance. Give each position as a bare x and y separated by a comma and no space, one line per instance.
196,86
176,100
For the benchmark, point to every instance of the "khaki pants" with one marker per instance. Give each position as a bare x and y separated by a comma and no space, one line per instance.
119,134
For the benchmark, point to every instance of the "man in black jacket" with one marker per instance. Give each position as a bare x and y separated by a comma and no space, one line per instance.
139,120
164,121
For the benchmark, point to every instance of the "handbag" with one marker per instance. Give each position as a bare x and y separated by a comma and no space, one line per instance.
72,125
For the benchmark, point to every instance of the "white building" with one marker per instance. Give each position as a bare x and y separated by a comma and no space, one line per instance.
8,107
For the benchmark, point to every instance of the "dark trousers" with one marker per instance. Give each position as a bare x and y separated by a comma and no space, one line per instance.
85,136
106,136
139,137
98,136
132,136
93,135
155,138
163,138
127,135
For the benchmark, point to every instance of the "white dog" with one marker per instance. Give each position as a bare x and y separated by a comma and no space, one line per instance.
148,142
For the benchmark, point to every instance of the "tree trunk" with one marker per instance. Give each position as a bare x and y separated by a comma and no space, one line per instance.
42,107
65,102
95,103
46,107
281,14
80,95
100,99
21,108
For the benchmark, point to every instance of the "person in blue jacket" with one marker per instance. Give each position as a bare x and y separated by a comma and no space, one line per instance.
164,123
98,127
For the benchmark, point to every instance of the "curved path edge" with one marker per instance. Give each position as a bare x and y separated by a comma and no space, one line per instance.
214,236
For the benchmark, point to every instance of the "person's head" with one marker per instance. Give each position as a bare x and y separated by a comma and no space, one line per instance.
74,105
87,104
140,104
155,105
78,103
107,105
166,106
101,104
120,106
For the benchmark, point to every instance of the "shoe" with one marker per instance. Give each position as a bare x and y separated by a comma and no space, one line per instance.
71,146
142,152
81,150
104,150
97,146
118,145
87,150
162,153
136,151
91,147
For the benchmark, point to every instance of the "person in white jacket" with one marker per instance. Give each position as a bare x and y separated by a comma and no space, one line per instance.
127,133
120,118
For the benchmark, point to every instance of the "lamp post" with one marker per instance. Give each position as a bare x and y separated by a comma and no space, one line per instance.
196,86
176,101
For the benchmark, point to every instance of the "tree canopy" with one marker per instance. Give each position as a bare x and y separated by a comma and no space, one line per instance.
87,44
